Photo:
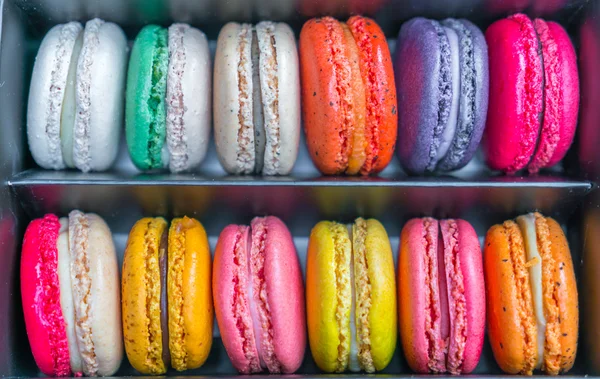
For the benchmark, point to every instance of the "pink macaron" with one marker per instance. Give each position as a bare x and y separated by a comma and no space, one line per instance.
440,278
259,297
534,94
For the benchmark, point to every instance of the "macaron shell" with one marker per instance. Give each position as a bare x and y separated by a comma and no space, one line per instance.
412,303
48,71
285,295
516,101
145,81
378,77
143,356
189,97
40,333
566,295
383,312
105,299
570,91
282,143
471,266
189,293
503,311
100,96
229,107
417,67
321,296
329,138
224,295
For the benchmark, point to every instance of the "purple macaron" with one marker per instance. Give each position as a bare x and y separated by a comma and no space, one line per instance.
442,86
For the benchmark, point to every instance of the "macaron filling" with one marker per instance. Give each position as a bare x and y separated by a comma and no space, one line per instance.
374,105
269,86
525,300
533,101
537,236
450,129
260,138
444,93
163,266
175,101
68,36
82,286
361,297
436,346
81,131
549,135
465,123
49,294
245,138
457,304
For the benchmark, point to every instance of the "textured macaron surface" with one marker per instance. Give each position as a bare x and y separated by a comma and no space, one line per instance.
40,293
145,99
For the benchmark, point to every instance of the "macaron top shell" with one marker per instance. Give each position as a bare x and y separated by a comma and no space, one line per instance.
145,105
516,93
40,294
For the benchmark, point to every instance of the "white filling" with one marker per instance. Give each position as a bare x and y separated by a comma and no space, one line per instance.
527,226
66,294
450,130
68,113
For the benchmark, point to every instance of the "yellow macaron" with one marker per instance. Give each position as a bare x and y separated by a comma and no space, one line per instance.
166,291
351,297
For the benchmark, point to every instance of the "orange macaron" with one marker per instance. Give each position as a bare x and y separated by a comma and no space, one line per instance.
348,95
533,313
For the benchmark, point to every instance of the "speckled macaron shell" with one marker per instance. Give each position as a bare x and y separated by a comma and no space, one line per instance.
474,94
422,92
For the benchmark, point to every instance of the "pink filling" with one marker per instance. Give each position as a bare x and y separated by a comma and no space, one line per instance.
532,104
48,295
457,306
240,306
262,314
436,346
553,97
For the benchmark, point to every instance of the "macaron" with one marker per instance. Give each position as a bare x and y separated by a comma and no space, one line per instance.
534,94
257,98
348,95
168,105
75,109
259,297
167,299
442,84
533,314
70,295
440,279
350,295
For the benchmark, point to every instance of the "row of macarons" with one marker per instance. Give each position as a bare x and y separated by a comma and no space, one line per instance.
352,306
448,87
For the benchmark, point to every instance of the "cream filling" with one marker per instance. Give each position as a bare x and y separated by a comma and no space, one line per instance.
353,364
534,261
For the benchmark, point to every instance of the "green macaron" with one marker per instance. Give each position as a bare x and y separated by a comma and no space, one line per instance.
145,103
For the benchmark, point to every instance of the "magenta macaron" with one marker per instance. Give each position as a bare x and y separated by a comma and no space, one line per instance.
259,297
534,94
440,282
